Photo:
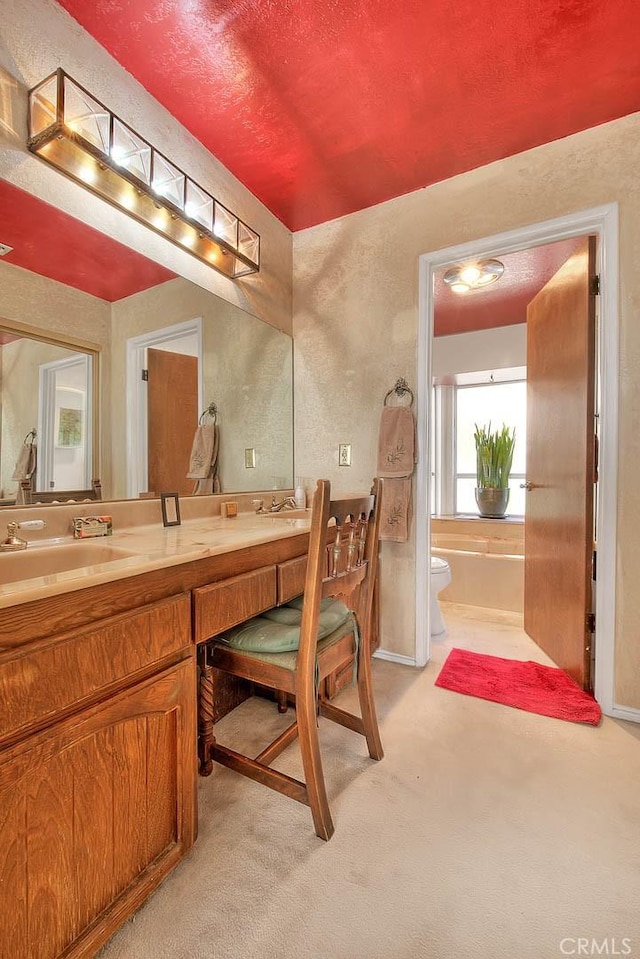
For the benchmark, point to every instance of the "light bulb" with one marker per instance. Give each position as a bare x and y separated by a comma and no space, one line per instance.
88,172
118,154
470,275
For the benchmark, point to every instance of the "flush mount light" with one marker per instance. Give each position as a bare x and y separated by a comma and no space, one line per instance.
473,276
81,138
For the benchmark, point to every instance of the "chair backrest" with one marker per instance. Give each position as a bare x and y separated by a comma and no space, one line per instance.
32,497
342,562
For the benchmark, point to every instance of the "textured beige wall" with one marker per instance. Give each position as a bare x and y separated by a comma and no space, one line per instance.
247,373
36,300
356,318
37,37
42,303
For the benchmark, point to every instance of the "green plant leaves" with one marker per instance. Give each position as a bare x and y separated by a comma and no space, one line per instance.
494,455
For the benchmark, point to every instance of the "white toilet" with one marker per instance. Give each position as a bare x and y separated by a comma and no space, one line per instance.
440,577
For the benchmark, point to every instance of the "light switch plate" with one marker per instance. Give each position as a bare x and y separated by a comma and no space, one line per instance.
249,458
344,454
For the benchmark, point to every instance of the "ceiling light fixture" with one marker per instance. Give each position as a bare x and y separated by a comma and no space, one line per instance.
473,276
80,137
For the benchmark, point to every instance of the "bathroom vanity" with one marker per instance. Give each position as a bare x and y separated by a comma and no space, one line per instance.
98,719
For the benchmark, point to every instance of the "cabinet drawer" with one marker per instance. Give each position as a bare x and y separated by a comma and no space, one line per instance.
225,604
47,677
291,576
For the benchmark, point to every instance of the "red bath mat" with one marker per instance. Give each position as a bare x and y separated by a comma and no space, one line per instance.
525,685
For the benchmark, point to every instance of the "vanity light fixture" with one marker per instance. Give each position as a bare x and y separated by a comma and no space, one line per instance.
473,276
83,139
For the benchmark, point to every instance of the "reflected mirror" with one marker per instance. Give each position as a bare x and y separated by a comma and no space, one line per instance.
110,361
49,387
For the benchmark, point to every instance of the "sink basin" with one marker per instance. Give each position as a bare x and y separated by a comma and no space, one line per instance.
49,560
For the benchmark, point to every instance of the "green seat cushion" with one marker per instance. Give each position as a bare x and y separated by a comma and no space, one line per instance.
278,629
288,660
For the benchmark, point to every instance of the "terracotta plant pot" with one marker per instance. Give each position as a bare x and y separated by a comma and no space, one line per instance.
492,502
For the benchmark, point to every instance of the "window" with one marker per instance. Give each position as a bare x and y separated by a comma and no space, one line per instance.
476,398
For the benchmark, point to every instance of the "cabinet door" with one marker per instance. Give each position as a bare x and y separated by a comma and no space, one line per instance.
94,812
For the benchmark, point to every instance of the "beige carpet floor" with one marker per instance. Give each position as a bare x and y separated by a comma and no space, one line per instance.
484,833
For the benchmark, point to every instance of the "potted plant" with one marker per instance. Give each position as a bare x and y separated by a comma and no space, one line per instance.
494,456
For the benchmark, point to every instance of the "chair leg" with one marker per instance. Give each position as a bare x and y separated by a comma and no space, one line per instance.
307,719
281,699
368,708
205,712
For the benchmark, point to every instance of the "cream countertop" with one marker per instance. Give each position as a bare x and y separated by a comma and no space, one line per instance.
154,547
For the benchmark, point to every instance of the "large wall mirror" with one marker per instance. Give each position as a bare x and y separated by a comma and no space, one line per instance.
109,362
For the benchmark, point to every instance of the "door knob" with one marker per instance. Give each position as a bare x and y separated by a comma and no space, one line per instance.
527,486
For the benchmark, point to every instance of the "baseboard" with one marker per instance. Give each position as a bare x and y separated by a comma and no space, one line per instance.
625,712
394,657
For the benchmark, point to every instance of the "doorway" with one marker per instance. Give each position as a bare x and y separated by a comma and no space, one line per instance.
65,427
180,340
539,312
601,222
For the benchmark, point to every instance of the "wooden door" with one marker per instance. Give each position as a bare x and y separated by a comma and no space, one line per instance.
172,417
560,464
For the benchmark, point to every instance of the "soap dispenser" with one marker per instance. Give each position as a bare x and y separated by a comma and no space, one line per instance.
299,495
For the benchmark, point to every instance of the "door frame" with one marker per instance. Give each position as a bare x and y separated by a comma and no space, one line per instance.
46,415
601,221
137,460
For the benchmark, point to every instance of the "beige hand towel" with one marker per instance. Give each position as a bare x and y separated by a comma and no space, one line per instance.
396,442
26,463
23,495
209,485
395,509
203,452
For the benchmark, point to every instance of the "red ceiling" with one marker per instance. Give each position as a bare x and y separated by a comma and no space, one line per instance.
322,108
505,301
49,242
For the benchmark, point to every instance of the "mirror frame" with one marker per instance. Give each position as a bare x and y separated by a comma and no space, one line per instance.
80,346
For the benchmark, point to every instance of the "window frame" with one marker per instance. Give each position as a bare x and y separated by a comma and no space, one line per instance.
444,433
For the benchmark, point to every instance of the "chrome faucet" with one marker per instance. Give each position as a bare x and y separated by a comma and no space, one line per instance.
14,542
287,503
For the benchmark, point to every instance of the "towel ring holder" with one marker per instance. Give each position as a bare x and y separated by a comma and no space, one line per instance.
211,410
400,389
30,438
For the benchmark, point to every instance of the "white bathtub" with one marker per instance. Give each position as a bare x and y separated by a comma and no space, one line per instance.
486,560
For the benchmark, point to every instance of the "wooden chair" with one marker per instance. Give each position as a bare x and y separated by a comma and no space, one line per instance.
345,570
32,497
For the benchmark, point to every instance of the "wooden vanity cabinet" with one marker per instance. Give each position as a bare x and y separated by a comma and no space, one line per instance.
97,775
98,759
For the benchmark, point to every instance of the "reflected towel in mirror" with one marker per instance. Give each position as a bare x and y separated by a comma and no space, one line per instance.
203,462
26,463
204,446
